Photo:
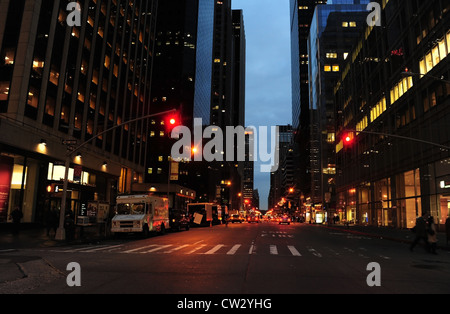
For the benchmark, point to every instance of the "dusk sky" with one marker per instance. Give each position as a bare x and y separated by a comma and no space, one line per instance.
268,83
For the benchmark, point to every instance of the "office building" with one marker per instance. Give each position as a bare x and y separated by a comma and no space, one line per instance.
395,93
334,30
181,80
63,85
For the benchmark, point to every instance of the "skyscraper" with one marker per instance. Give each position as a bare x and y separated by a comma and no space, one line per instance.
335,28
182,78
60,83
301,14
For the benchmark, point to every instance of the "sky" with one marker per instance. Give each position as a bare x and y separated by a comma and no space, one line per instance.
268,71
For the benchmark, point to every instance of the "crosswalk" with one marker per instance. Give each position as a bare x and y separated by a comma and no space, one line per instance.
220,249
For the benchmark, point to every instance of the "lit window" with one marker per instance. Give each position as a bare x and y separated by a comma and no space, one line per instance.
335,68
345,55
332,55
327,68
352,24
344,24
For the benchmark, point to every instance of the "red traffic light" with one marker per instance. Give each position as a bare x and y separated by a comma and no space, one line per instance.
172,121
348,139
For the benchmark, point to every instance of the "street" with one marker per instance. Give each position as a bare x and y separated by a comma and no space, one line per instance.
264,258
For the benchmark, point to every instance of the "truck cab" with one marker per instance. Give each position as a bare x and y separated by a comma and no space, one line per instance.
141,214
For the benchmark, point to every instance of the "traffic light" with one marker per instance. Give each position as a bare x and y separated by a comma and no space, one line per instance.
172,121
348,139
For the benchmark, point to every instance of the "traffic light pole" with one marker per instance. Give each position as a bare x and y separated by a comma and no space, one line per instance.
60,232
399,137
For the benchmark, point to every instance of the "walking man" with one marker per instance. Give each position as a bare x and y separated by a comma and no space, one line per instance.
421,232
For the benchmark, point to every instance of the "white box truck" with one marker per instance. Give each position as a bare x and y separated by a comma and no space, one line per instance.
140,214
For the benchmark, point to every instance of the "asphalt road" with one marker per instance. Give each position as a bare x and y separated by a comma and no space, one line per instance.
242,259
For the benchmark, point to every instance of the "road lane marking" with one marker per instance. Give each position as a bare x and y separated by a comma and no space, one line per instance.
176,249
109,247
139,248
234,249
196,249
252,249
294,251
85,249
273,250
314,252
157,249
214,249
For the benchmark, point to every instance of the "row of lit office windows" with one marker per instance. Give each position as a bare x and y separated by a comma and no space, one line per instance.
438,53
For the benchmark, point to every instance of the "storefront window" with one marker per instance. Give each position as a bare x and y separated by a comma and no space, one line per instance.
57,172
408,193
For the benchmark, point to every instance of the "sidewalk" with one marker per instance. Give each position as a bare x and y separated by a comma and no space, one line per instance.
398,235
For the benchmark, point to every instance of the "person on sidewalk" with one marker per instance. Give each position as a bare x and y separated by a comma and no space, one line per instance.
432,235
447,228
16,216
421,232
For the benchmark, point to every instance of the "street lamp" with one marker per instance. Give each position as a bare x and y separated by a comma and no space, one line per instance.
407,73
60,232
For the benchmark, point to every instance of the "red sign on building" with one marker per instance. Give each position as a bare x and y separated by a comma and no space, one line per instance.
6,170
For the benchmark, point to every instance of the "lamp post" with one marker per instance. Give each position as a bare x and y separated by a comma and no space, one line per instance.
422,75
60,232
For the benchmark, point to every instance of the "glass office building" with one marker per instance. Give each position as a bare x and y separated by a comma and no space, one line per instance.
334,30
59,83
396,84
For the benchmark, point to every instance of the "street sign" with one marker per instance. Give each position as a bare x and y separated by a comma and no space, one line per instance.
70,142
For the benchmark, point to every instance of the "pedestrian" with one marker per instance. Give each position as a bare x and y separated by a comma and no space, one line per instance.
16,216
432,236
447,228
51,220
421,232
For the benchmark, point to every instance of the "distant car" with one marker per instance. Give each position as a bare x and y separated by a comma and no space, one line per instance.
284,220
235,218
251,219
178,220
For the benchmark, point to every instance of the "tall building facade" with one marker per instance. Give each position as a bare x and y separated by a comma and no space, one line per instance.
396,84
182,80
301,14
281,181
62,83
334,30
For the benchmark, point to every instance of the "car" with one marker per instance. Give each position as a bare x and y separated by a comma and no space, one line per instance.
235,218
179,220
253,218
284,220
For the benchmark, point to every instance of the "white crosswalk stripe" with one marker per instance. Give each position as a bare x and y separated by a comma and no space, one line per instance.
273,250
234,249
214,249
157,248
294,251
222,249
201,246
